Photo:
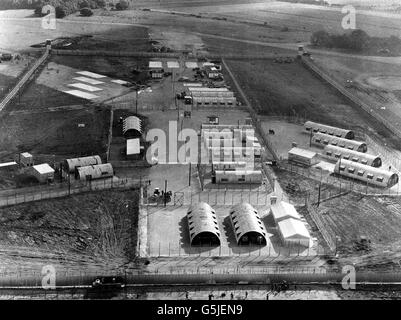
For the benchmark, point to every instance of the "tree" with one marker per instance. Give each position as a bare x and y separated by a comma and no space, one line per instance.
321,38
60,12
122,5
358,39
101,3
38,11
86,12
84,4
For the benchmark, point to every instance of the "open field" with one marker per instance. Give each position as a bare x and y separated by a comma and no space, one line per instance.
79,232
23,31
56,133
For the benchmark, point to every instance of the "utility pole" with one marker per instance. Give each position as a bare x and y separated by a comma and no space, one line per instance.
189,175
136,100
165,190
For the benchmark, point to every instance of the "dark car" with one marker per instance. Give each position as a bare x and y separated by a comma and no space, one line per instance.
114,282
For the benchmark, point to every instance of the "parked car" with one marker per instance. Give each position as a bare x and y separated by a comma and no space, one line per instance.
108,282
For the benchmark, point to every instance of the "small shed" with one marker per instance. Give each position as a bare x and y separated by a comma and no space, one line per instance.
26,159
43,172
294,232
302,156
133,147
283,210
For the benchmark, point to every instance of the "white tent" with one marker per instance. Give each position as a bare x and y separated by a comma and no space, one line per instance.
293,231
283,210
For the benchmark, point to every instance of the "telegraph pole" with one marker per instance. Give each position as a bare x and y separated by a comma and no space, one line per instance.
165,190
189,175
136,100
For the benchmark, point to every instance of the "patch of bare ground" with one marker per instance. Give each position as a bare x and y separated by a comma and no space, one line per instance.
81,232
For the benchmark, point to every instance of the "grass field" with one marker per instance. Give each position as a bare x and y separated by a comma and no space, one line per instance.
56,132
81,231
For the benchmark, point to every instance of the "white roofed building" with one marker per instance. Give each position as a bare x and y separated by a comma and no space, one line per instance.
302,156
283,210
43,172
294,232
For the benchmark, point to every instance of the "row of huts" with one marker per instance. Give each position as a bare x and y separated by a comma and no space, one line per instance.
351,157
209,97
87,168
246,224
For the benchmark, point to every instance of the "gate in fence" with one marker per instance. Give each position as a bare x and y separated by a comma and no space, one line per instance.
179,198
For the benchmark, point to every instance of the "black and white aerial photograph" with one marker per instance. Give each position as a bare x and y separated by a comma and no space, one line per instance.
182,151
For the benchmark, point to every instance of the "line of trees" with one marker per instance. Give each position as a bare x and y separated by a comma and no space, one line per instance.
357,40
62,7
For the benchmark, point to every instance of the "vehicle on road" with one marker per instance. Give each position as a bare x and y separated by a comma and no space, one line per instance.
108,282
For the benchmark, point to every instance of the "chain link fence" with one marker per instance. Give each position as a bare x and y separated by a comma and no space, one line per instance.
23,195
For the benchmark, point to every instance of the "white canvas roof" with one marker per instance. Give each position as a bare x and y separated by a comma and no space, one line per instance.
43,168
191,64
155,64
119,81
133,146
85,87
91,74
302,153
293,229
88,80
173,64
7,164
82,94
283,210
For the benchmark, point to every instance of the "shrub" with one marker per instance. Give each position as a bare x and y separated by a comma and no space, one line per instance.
38,11
122,5
100,3
84,4
60,12
86,12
